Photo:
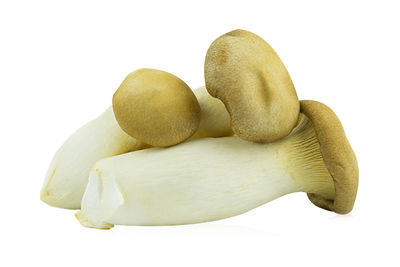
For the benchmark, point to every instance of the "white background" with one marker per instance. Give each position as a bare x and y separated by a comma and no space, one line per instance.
61,61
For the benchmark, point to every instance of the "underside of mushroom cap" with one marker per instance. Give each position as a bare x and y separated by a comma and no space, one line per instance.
338,156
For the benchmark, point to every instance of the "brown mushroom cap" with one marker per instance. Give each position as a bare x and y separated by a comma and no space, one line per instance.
156,108
338,156
244,72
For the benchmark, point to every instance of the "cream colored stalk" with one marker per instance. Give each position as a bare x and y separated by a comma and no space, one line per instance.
203,180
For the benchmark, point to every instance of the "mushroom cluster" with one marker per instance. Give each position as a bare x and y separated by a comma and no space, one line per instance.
166,155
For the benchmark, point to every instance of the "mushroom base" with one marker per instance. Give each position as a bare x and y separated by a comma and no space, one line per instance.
67,175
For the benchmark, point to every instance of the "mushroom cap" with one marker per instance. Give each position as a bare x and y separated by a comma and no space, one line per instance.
156,108
338,156
247,75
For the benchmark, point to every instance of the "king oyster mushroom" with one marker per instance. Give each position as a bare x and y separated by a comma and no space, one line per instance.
215,178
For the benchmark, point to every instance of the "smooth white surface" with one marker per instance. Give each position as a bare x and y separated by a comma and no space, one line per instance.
60,63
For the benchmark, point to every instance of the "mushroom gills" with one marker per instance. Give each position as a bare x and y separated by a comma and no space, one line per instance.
203,180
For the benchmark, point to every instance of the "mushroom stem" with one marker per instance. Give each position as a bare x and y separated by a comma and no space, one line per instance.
67,176
203,180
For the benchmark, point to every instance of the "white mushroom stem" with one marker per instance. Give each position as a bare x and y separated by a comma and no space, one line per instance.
67,176
202,180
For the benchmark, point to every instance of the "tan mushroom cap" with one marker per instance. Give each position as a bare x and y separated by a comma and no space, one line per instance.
338,156
247,75
156,107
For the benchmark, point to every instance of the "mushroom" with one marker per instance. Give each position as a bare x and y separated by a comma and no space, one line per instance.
67,175
215,178
245,72
338,157
156,108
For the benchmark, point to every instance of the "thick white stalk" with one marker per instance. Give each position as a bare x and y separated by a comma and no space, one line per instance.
67,176
201,180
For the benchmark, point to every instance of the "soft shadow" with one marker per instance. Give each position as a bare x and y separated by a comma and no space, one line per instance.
222,229
338,217
198,230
